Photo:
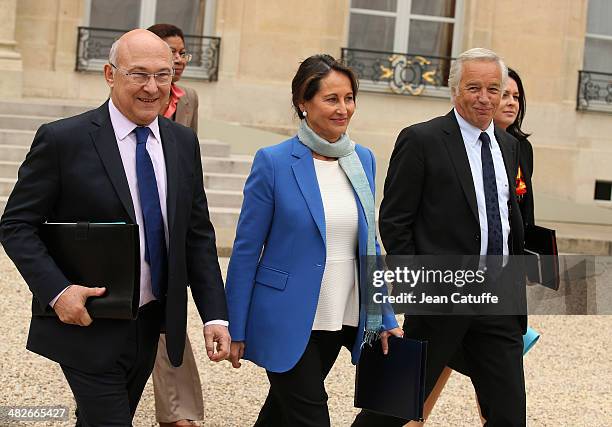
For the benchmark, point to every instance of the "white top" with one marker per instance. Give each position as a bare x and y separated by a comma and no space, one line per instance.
339,296
473,145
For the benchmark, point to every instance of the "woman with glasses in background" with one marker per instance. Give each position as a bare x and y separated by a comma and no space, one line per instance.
178,391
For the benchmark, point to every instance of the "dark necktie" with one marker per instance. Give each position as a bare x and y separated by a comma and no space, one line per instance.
155,239
495,240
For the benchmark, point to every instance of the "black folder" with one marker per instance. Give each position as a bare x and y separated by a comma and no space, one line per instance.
542,262
392,384
97,255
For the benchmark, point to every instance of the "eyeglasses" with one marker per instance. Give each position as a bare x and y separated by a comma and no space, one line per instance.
183,55
141,78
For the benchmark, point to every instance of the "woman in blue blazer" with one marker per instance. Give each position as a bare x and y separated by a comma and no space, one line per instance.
307,217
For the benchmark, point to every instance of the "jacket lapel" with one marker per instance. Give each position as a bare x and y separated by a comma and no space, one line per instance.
304,172
456,149
171,158
104,140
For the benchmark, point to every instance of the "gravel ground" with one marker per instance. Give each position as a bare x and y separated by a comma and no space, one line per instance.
568,374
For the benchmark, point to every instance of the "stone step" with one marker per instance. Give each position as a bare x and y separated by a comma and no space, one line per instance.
46,109
31,123
222,189
208,147
224,181
224,217
16,137
237,165
8,169
6,186
17,148
216,198
221,198
214,148
15,153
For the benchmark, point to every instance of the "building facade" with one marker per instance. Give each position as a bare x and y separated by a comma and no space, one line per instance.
248,50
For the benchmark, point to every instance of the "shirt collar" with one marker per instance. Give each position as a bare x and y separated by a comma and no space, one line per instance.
124,126
471,133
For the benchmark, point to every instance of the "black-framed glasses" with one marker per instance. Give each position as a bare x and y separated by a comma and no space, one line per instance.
142,78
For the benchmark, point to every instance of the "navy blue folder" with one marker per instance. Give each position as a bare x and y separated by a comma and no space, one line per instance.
392,384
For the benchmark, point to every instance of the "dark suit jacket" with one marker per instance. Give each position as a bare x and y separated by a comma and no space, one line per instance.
429,205
74,172
526,162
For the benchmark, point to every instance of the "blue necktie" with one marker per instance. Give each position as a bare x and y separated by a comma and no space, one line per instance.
495,240
155,239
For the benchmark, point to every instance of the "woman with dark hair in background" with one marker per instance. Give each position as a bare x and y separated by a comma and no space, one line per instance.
178,391
306,221
509,116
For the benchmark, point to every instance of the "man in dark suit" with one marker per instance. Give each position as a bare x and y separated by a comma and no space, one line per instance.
450,191
119,163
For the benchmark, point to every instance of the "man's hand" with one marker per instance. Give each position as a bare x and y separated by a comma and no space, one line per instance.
236,353
70,306
384,337
220,335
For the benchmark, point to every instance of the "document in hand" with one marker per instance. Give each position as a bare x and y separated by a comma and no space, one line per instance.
392,384
97,255
543,260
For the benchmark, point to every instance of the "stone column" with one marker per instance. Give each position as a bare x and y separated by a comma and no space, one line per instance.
11,66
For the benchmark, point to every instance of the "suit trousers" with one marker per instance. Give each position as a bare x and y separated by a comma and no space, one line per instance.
178,391
493,348
110,398
297,398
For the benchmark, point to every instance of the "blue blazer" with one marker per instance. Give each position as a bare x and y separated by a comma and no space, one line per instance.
277,262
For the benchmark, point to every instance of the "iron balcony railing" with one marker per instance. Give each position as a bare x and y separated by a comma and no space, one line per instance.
400,73
594,91
93,46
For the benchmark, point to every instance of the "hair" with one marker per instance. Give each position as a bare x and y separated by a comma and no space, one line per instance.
164,31
306,82
515,127
114,51
475,54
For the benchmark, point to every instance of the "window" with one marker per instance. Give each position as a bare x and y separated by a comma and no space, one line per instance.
603,190
598,40
189,15
417,27
107,19
595,79
423,35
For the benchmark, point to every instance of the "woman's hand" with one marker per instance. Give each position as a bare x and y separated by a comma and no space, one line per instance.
236,353
384,338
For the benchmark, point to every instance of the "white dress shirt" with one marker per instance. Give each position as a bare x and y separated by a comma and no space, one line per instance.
473,145
126,141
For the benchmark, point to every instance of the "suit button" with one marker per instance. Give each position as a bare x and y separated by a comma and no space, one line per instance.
319,265
477,237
